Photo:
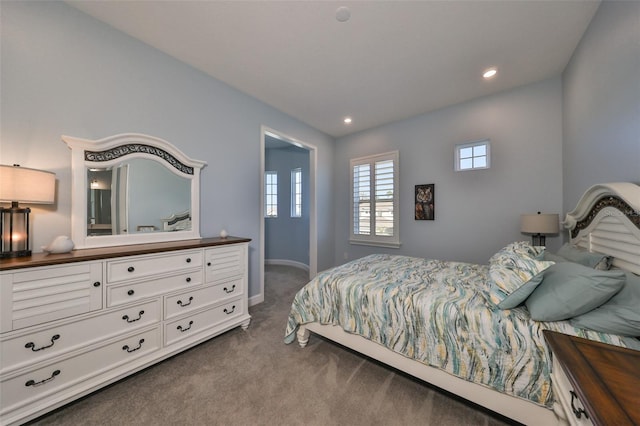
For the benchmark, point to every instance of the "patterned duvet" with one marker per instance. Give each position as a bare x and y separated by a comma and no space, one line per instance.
437,313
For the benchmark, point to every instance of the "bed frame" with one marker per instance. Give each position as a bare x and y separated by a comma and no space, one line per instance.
606,220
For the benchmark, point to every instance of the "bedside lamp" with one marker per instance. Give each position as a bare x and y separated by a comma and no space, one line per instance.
21,185
539,225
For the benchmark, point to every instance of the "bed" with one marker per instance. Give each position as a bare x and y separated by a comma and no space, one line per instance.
468,329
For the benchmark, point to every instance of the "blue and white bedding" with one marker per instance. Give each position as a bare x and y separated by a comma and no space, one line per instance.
437,313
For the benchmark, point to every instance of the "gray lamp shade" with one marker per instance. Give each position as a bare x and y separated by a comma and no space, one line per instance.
26,185
547,223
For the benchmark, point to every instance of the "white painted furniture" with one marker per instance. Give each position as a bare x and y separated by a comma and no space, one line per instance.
73,323
136,190
606,221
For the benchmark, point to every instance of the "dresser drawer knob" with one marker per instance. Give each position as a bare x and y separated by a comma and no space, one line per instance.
228,312
96,284
126,347
127,319
131,269
32,345
188,260
208,263
188,279
577,411
226,290
34,383
130,292
181,303
182,330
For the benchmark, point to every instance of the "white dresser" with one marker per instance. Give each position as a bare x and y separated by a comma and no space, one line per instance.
72,323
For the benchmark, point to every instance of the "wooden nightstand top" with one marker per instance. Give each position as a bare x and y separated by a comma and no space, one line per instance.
605,377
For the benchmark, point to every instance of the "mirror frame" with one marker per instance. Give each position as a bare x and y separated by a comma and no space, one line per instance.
110,151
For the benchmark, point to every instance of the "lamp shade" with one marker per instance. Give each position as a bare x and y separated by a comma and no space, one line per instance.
26,185
547,223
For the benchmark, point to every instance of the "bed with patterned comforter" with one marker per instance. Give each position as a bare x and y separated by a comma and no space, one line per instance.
437,313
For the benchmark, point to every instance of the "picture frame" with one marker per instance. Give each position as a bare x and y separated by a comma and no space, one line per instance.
424,201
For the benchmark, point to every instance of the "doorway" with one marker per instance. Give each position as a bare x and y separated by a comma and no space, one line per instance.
269,136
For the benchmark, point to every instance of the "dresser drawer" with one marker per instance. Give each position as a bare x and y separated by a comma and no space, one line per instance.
193,324
567,398
41,295
45,343
26,388
146,266
189,301
225,262
126,293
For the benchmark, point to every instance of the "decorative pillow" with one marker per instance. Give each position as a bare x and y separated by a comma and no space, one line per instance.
620,315
579,255
523,248
513,278
569,289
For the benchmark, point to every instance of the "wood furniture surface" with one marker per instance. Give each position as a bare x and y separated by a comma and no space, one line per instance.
605,379
44,259
73,323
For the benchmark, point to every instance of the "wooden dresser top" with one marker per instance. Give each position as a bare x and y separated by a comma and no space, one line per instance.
605,377
83,255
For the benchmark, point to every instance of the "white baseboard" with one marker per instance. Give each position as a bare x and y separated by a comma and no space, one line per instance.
286,262
254,300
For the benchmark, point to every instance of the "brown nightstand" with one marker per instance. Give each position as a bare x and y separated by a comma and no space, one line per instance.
594,382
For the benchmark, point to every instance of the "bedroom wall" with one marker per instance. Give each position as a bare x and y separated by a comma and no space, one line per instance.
286,237
477,212
602,102
64,72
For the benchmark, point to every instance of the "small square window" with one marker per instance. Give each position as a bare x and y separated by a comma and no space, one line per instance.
472,155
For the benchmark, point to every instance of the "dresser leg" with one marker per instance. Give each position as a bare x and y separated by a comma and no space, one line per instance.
245,324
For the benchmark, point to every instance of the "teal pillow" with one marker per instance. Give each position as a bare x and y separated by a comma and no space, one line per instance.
553,257
521,293
569,289
620,315
584,257
513,278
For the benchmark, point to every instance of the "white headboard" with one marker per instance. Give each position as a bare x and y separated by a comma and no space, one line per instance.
607,220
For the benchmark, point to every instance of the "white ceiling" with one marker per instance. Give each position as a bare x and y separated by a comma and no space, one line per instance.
392,60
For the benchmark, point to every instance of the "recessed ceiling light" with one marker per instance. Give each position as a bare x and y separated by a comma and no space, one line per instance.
490,73
347,120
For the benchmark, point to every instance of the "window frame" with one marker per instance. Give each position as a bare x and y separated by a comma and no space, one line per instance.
268,194
376,240
296,193
459,147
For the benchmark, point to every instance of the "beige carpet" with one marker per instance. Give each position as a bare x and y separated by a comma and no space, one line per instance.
252,378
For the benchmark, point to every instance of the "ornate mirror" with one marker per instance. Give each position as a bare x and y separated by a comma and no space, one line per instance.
132,189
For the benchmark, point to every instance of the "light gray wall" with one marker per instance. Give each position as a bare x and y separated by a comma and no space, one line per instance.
64,72
601,110
477,212
287,238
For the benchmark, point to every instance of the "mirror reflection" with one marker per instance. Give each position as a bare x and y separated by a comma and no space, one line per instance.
137,196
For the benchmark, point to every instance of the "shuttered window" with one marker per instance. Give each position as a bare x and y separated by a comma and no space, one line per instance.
374,200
